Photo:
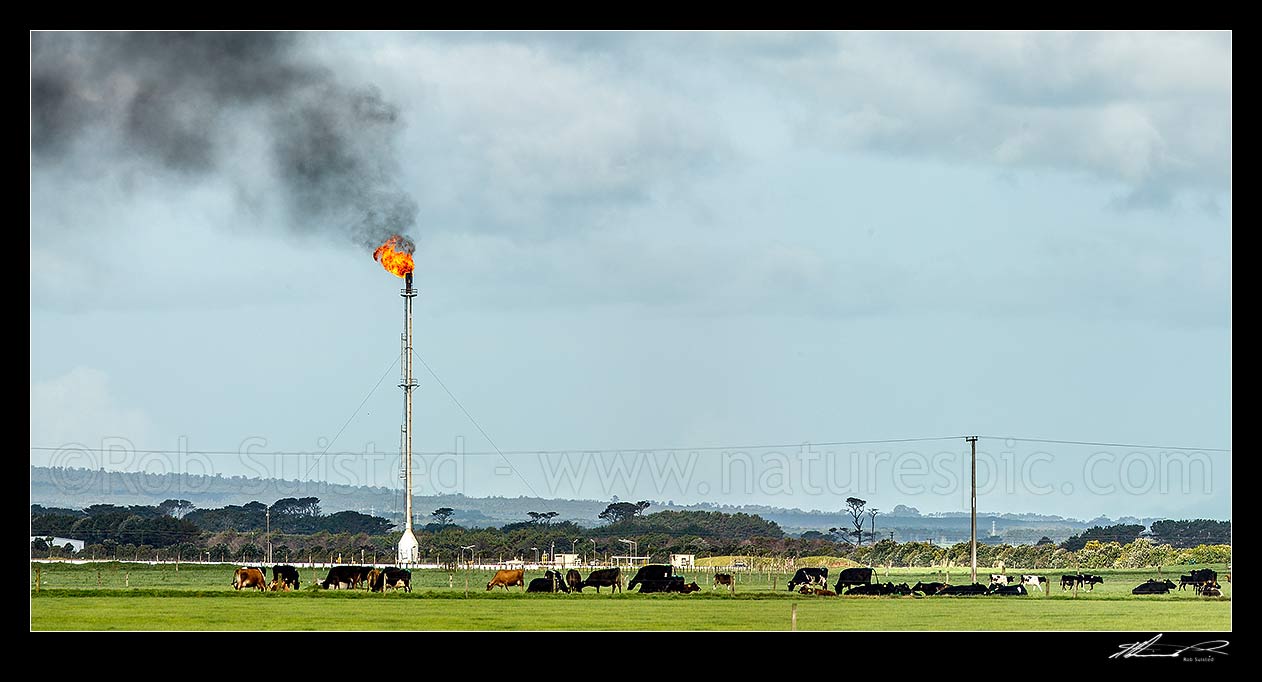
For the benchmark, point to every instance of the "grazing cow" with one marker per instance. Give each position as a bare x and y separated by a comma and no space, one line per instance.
605,577
1154,587
810,576
853,576
574,580
998,579
249,577
341,578
1090,581
507,578
1035,581
653,573
928,588
389,577
1008,590
963,590
286,574
724,579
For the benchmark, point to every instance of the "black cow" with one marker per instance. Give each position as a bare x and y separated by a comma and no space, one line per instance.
1154,587
928,588
963,590
651,572
810,576
605,577
1211,590
552,581
1198,578
1068,581
574,580
1008,590
853,576
391,577
872,589
674,583
1090,581
286,575
341,577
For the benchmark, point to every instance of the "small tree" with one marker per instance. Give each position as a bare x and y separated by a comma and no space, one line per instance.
443,515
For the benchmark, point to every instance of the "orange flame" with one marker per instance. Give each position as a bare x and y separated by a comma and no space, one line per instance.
396,255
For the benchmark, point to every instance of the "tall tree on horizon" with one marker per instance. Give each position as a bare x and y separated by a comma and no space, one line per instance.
854,507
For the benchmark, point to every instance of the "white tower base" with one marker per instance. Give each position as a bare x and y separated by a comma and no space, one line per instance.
409,548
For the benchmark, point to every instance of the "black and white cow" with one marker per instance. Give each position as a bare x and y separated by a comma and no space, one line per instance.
810,576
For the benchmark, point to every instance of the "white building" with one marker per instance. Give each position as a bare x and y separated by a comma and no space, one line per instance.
565,560
682,560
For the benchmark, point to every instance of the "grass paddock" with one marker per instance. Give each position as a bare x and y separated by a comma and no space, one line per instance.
124,596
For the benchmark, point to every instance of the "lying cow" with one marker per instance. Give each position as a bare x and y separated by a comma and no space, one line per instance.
963,590
1008,590
853,576
928,588
672,584
810,576
1154,587
244,578
818,591
605,577
507,578
550,582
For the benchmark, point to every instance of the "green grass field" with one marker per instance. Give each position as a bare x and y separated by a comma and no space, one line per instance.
113,596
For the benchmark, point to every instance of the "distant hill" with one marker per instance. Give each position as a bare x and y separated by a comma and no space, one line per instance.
78,488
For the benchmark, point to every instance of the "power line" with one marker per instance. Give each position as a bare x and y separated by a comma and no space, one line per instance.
706,448
597,451
1108,445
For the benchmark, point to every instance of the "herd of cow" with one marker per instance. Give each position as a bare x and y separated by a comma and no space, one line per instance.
285,578
859,582
661,578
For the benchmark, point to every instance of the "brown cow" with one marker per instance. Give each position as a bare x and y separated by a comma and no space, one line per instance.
249,577
507,579
725,579
278,585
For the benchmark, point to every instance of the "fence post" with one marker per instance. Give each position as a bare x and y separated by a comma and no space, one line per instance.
793,617
98,576
37,574
127,579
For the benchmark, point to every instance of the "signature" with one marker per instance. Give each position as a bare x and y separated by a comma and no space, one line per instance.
1151,649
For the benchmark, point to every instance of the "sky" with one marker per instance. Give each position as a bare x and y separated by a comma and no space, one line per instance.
642,257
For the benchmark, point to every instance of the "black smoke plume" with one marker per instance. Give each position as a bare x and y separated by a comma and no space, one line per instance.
173,100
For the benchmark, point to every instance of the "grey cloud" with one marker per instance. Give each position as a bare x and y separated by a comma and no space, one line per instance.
177,101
